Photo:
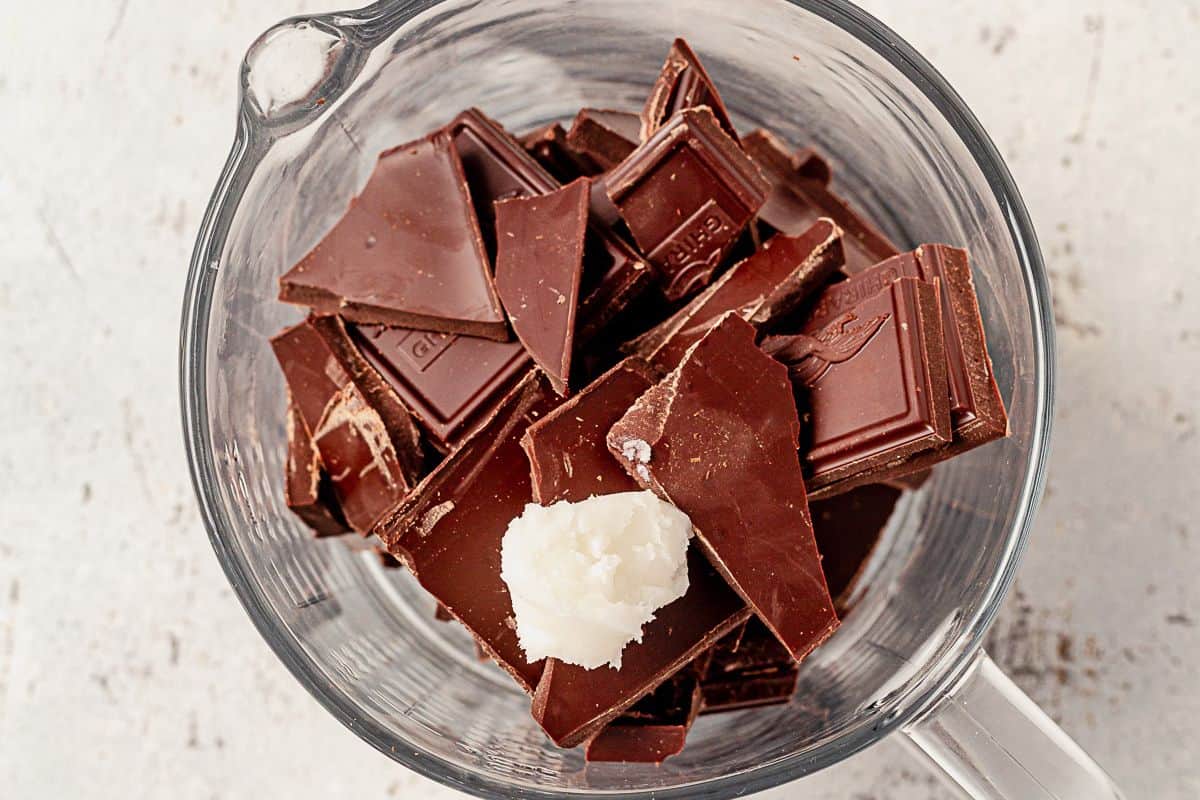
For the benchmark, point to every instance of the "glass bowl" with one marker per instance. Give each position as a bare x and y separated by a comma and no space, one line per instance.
322,95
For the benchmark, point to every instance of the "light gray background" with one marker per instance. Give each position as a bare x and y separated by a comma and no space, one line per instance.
127,667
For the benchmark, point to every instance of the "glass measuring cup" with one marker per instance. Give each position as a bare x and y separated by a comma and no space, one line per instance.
321,96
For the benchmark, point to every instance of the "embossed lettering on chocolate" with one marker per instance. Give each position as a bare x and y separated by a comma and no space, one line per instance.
687,194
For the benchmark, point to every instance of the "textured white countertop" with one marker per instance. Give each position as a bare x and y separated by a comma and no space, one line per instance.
128,669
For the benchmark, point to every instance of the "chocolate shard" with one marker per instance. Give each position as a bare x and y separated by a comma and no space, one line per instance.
307,489
753,691
549,147
572,703
566,448
687,194
366,440
605,137
761,289
748,668
848,528
809,164
682,83
450,527
870,367
497,169
408,251
655,727
450,383
977,411
718,438
797,200
976,407
539,260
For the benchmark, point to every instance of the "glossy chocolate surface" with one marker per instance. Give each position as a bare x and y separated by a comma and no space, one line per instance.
448,530
687,194
800,195
366,440
568,456
408,251
448,382
718,437
870,371
682,83
761,289
539,262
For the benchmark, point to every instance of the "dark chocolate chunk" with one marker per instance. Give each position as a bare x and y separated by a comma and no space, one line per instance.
450,527
749,691
408,251
797,200
307,489
749,667
449,383
605,137
687,194
568,456
718,438
497,169
848,528
441,614
366,440
636,743
548,145
761,289
871,369
539,260
572,703
655,727
682,83
496,166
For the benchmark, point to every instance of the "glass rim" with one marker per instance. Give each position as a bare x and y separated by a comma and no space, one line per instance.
375,22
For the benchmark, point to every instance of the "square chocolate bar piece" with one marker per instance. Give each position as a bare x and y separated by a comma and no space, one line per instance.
687,193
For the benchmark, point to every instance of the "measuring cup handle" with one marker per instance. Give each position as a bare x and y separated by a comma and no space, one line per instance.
992,741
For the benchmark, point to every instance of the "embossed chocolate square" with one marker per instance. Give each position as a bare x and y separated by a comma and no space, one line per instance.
449,383
871,369
686,194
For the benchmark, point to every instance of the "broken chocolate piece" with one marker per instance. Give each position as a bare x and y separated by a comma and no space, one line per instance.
848,528
572,703
655,727
682,83
539,259
761,289
366,440
718,438
687,194
498,168
408,251
450,383
449,528
567,453
750,691
748,668
797,200
871,371
548,145
306,487
605,137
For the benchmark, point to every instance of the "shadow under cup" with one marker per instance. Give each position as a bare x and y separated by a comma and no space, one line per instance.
363,640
